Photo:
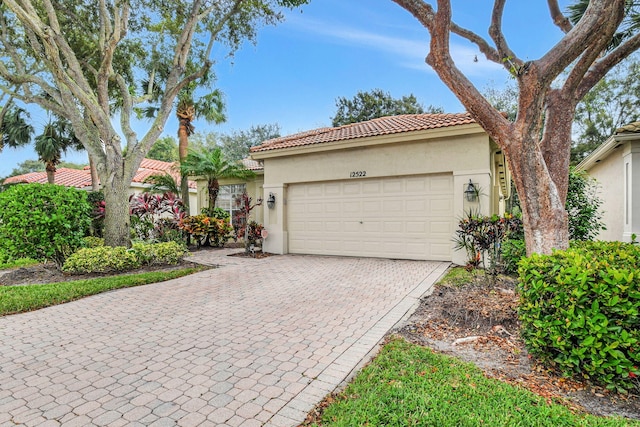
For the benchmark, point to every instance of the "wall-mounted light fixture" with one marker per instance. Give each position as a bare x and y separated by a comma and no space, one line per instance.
271,201
471,193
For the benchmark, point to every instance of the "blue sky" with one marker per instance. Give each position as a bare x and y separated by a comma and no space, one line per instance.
333,48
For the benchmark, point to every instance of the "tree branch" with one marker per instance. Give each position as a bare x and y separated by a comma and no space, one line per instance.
558,17
600,19
495,31
601,67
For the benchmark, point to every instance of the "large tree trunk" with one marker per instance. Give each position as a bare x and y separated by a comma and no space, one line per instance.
544,216
183,148
116,218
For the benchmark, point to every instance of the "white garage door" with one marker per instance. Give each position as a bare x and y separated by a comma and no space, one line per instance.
406,217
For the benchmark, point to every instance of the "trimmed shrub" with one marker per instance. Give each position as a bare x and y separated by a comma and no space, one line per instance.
160,253
43,221
512,250
103,259
106,259
93,242
579,311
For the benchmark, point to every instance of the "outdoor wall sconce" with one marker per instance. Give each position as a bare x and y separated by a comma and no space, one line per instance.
271,201
471,193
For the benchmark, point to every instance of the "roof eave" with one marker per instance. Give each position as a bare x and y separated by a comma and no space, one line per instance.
605,149
392,138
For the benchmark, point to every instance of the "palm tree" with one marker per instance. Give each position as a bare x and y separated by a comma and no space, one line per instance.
56,138
213,166
210,107
14,130
164,183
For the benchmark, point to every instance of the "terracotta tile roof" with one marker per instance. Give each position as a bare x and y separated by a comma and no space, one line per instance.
81,178
252,165
150,167
630,128
376,127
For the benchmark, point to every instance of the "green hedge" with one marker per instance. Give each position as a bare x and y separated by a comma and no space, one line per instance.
106,259
160,253
101,259
42,221
579,311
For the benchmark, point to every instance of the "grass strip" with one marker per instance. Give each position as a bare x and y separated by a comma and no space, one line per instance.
410,385
457,276
20,262
20,299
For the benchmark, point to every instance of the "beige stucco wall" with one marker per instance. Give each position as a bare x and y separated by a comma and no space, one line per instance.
465,153
609,173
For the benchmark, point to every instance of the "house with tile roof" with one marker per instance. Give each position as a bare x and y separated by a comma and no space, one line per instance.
81,178
231,189
391,187
615,165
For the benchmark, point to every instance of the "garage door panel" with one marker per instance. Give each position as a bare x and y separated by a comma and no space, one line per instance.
371,206
441,185
352,226
416,206
332,189
333,226
351,188
371,187
392,206
392,186
350,207
416,227
392,227
406,217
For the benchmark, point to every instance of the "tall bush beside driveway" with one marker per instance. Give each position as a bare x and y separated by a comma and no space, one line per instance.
580,311
43,221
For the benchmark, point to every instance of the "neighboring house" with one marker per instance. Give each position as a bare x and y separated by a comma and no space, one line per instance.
616,166
81,178
392,187
231,189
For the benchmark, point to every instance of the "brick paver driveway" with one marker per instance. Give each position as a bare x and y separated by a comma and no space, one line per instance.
254,342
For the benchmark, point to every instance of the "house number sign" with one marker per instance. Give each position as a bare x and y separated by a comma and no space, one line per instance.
357,174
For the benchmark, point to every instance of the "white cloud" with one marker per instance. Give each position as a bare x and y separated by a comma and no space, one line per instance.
410,53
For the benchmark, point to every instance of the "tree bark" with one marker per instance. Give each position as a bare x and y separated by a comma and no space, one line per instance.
116,219
50,168
183,149
544,216
214,188
93,170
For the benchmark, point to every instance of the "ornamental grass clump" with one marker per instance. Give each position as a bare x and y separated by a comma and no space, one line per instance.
579,310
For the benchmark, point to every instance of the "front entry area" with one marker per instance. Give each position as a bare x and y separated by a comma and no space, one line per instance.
407,217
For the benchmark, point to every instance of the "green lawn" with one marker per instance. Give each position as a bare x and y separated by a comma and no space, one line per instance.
22,262
19,299
410,385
